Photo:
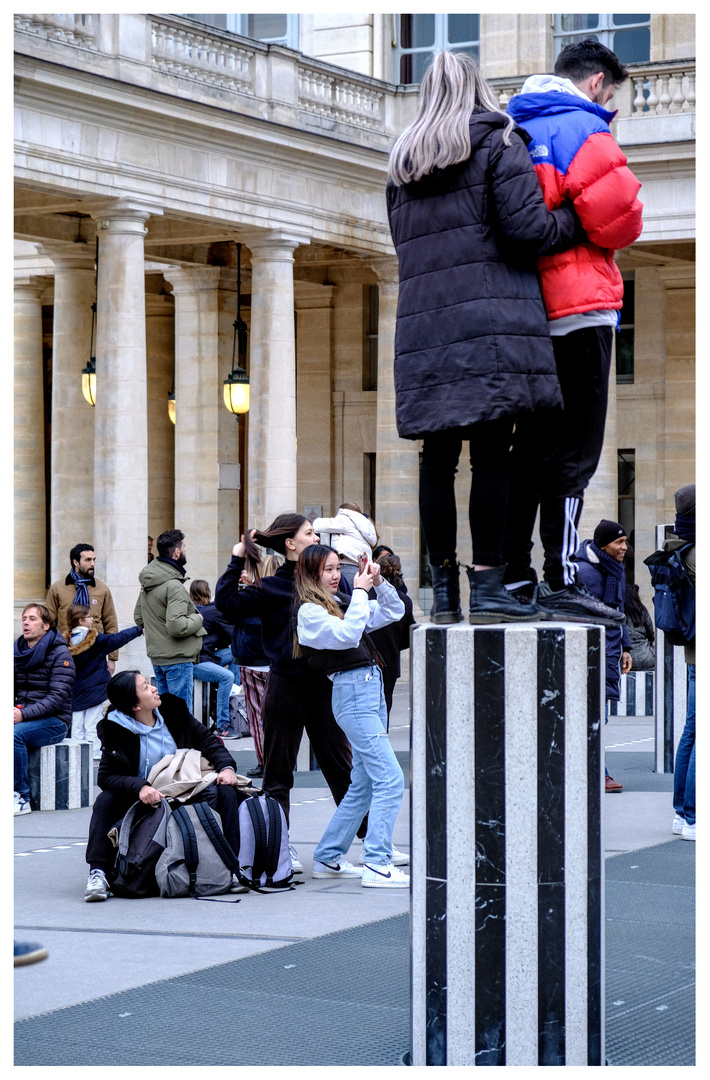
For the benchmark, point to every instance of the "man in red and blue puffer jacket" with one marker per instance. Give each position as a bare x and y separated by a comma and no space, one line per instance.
577,159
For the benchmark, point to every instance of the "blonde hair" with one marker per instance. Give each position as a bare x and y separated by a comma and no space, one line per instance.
451,89
270,564
308,588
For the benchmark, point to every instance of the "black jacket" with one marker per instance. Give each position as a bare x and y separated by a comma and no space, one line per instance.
92,673
472,340
44,686
218,636
120,748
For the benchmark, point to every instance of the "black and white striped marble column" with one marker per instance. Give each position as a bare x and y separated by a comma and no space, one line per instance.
507,859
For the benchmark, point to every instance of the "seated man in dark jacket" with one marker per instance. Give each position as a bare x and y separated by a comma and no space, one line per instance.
44,679
141,729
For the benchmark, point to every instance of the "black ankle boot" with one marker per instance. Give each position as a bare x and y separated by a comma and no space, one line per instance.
447,598
491,602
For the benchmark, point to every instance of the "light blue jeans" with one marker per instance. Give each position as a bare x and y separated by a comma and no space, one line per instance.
175,679
209,672
684,779
376,780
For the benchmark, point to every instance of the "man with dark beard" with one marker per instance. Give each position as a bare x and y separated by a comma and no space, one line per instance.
171,622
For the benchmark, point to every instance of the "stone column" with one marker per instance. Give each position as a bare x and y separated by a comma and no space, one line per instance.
121,435
160,360
314,393
397,462
198,399
72,468
507,854
29,472
271,457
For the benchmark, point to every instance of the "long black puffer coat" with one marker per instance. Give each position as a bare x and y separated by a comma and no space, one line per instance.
44,684
472,340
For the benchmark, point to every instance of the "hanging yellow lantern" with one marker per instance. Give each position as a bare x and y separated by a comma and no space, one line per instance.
88,382
171,406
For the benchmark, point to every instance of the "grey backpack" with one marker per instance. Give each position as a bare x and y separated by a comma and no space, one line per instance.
197,859
264,857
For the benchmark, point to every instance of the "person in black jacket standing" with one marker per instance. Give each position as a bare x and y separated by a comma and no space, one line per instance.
472,345
140,729
44,680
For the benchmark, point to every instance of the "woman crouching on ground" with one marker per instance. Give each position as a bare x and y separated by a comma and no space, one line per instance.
331,633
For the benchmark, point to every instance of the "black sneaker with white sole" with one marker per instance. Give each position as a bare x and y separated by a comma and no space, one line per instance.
575,603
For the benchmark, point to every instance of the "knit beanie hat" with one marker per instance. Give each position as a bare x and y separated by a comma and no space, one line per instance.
607,531
685,499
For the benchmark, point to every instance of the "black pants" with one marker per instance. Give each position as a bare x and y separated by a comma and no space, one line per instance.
555,455
489,444
110,807
289,706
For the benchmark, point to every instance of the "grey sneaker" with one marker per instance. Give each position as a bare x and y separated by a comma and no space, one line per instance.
575,603
97,887
296,864
339,869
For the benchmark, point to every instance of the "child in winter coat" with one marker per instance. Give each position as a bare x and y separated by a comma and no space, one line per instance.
89,650
332,635
351,534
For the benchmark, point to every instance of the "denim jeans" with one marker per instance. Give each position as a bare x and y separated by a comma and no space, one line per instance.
684,773
208,672
376,780
175,679
29,734
227,660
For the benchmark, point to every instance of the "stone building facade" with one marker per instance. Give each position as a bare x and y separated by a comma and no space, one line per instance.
173,141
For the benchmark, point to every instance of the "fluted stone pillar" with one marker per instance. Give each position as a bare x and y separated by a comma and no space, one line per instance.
121,435
160,360
29,472
314,394
397,461
72,454
198,399
507,855
271,457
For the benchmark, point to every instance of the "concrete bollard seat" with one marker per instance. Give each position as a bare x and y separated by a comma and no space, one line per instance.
507,860
62,776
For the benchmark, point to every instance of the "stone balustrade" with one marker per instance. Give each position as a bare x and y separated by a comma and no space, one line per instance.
663,89
78,30
340,98
211,58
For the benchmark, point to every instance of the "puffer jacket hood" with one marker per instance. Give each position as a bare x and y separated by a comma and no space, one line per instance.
351,533
157,573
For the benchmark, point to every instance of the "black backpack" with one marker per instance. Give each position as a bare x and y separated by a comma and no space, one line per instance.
138,851
673,595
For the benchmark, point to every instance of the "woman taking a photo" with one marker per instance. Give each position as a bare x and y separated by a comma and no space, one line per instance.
472,346
332,634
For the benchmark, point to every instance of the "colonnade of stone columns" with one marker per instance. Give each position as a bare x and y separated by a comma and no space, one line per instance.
30,545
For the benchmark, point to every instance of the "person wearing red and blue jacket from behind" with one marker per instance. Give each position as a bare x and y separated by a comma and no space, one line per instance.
556,454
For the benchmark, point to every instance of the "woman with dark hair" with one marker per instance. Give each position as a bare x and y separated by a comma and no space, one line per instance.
641,631
332,634
393,639
296,697
472,347
138,730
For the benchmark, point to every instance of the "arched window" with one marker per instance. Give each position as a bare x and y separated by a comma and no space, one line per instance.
419,36
629,36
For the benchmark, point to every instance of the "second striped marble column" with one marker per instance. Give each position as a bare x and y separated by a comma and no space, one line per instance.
507,858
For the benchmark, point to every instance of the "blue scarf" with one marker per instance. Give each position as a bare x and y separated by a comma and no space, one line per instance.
614,577
82,593
26,658
685,527
154,742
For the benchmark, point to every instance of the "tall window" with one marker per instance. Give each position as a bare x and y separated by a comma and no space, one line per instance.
627,505
370,324
272,29
629,36
369,485
421,35
625,337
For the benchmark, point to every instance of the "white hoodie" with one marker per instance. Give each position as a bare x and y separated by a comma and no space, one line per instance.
352,534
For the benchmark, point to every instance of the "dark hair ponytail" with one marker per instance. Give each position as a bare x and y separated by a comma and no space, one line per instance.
121,691
282,528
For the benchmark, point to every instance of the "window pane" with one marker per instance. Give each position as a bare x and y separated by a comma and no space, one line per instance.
625,20
462,28
471,50
633,46
578,22
417,31
625,355
413,66
218,21
574,38
265,27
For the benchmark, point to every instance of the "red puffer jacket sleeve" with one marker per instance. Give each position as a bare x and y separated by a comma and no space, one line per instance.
604,191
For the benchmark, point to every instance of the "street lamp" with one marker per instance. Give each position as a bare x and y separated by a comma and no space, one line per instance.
236,385
171,405
88,374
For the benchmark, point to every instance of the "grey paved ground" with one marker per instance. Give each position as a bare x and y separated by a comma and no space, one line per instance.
320,976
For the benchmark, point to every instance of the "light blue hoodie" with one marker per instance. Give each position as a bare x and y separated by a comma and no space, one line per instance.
155,742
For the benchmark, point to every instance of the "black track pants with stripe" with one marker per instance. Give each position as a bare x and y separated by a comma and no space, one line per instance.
555,455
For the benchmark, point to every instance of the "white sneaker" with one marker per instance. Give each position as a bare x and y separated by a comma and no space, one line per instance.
236,886
677,826
688,831
340,869
21,806
384,877
296,864
97,887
